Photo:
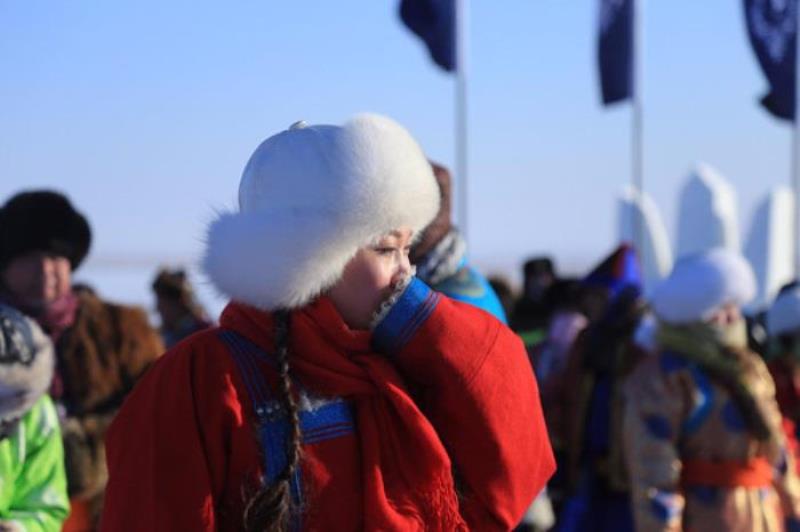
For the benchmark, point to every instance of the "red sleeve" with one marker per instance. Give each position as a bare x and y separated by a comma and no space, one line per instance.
168,449
477,387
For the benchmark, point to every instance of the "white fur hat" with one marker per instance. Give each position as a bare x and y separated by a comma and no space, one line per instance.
784,315
309,198
26,363
702,283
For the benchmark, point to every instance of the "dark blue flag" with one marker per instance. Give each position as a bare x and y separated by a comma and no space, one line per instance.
434,21
771,25
615,50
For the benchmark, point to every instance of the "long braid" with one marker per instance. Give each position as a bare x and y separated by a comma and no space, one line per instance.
270,508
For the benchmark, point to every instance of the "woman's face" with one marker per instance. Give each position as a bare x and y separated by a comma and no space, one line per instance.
370,278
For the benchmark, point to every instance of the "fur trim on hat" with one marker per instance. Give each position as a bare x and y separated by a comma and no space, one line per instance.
309,198
783,316
26,363
701,284
43,220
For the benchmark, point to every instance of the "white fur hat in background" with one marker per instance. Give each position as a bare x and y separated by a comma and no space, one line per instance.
701,284
309,198
783,316
26,363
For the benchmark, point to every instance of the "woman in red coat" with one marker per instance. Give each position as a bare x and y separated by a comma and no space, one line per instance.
339,392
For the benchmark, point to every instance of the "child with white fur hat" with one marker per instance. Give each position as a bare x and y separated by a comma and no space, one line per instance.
33,484
339,392
703,435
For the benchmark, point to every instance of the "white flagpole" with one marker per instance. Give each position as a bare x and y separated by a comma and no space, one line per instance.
795,139
637,127
461,127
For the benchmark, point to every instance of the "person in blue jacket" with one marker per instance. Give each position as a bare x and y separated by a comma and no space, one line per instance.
441,257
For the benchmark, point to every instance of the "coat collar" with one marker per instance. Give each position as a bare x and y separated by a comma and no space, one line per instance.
258,326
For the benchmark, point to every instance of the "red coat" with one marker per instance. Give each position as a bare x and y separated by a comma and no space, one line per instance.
183,448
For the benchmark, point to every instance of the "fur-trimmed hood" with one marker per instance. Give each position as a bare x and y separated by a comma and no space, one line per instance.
26,363
309,198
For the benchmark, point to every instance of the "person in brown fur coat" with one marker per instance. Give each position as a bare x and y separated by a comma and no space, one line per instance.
101,348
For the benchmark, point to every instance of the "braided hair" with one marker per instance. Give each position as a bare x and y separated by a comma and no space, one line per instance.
270,507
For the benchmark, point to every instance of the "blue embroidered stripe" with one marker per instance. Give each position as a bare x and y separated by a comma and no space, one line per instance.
334,417
256,387
419,318
273,427
327,436
409,312
705,401
331,420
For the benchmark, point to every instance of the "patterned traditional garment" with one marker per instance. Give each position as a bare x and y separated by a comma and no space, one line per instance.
593,408
681,423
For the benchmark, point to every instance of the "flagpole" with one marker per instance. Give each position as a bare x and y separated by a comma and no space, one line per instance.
461,128
637,128
795,139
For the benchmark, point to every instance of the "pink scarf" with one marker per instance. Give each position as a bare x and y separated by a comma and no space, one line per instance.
59,315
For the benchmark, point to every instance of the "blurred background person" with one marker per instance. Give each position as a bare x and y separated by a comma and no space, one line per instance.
783,354
180,312
33,485
440,256
505,293
586,403
704,444
531,314
101,347
567,320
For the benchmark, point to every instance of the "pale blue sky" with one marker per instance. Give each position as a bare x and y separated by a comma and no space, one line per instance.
146,112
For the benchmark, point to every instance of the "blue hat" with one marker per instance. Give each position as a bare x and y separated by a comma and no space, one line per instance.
619,271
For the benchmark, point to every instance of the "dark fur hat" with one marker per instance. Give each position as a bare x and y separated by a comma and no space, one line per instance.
43,220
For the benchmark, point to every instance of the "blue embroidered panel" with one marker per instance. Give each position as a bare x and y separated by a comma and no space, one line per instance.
406,316
705,401
331,420
326,422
